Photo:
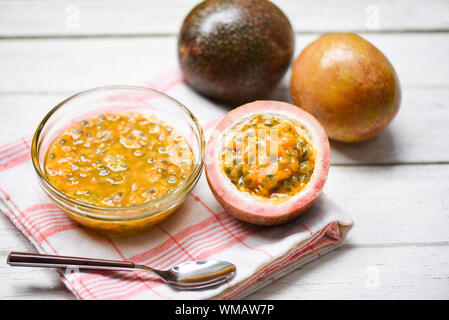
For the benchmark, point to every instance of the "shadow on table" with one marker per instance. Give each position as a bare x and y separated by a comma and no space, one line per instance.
59,291
381,149
306,276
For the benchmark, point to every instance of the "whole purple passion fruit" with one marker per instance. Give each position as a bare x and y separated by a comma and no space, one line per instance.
235,51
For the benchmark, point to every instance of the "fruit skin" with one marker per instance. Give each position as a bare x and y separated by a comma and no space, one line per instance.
235,51
347,84
243,206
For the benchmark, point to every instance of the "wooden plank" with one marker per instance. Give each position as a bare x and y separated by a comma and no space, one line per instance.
25,283
421,121
28,283
393,204
346,273
63,65
20,114
415,272
413,137
138,17
78,64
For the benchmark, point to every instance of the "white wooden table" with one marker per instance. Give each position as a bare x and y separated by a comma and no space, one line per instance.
52,49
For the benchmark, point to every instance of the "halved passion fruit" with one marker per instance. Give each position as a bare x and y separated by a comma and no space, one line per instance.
267,161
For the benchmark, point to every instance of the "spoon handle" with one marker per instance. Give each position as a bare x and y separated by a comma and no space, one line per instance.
23,259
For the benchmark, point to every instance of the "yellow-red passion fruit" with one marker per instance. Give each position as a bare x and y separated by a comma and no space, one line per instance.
267,161
347,84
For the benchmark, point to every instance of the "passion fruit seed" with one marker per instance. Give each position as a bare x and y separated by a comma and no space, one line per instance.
295,165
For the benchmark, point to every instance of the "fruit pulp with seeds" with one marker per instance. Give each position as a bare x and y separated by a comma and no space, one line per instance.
118,160
268,156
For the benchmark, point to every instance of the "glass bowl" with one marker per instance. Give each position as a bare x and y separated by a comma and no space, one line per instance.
93,102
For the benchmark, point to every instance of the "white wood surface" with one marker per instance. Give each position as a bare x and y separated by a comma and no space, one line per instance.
164,17
395,186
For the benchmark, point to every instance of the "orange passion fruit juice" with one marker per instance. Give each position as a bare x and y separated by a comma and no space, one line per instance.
118,160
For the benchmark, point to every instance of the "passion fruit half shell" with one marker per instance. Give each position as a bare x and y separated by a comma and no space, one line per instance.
267,161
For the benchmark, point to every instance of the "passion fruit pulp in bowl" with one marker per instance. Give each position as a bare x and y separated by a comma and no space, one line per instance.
118,159
267,161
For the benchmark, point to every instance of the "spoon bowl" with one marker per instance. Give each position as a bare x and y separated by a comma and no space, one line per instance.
198,274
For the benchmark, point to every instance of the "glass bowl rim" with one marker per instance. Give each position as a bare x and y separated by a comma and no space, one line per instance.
179,191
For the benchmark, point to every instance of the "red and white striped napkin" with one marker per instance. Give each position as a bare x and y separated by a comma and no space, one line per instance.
199,230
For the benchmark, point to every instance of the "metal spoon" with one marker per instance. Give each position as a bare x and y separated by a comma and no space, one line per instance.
189,275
